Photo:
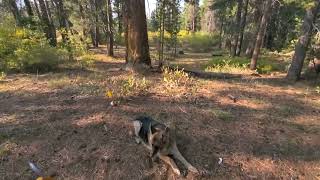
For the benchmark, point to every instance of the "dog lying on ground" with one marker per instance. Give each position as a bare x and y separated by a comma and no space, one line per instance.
161,141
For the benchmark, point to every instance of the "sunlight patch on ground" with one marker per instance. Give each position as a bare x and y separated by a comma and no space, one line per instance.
8,118
92,119
310,120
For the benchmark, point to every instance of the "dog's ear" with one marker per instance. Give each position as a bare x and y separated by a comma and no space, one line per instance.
158,128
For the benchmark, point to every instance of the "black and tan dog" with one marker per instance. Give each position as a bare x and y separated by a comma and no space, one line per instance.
161,141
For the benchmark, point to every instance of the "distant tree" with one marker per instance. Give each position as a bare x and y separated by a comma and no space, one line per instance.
261,34
236,29
63,19
242,27
29,8
49,27
14,10
192,10
110,28
208,16
154,21
303,42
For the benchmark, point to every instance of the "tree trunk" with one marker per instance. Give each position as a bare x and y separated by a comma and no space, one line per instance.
260,36
221,32
82,18
49,28
194,18
236,29
15,11
63,20
242,27
137,47
94,30
37,9
29,8
303,42
110,29
118,5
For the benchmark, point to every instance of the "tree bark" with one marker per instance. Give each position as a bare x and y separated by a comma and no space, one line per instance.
110,29
137,47
236,29
49,28
260,36
303,42
242,27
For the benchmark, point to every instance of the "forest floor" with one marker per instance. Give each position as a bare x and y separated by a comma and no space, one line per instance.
64,123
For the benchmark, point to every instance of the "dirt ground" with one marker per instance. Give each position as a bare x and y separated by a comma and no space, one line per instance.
64,123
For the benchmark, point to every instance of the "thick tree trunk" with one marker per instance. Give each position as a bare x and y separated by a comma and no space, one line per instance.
236,29
49,28
110,29
303,42
29,8
137,47
242,27
261,33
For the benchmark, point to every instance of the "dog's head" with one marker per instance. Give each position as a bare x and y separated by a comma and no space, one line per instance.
160,136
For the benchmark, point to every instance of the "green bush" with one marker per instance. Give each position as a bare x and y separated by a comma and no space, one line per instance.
228,65
265,65
76,45
25,50
199,41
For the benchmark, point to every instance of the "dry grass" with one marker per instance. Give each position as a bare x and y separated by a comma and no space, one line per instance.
64,123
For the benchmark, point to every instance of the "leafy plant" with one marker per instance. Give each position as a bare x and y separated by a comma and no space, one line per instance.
174,78
228,65
23,49
133,85
199,41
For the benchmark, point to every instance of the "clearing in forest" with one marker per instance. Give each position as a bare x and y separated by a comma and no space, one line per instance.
64,123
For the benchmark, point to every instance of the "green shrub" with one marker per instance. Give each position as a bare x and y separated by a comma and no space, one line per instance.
27,50
76,45
265,65
199,41
228,65
133,84
175,78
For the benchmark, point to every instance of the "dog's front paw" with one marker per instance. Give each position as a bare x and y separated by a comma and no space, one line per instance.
138,141
193,169
177,171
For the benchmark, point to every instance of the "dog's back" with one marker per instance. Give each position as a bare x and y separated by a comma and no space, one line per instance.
145,125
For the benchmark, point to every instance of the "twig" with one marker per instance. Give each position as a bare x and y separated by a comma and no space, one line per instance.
182,110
